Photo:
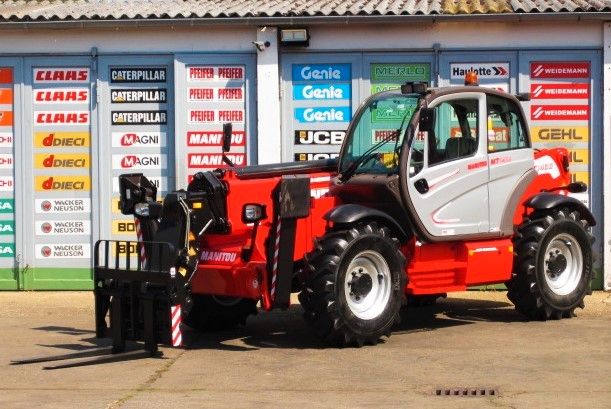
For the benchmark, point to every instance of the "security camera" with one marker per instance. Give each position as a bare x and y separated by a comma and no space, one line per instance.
261,45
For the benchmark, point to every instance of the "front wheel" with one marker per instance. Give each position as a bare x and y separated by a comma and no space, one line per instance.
355,285
552,266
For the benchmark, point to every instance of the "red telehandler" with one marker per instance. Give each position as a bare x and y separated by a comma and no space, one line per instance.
435,190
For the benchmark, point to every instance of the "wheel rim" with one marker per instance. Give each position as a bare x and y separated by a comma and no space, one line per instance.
367,285
563,264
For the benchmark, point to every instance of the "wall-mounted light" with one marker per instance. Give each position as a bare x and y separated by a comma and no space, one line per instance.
295,37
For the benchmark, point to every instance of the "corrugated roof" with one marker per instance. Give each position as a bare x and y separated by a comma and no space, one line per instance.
54,10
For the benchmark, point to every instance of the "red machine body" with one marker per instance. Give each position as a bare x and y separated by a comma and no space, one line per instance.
425,198
433,268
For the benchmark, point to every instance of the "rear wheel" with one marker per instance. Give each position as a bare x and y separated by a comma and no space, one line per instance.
211,312
355,285
553,265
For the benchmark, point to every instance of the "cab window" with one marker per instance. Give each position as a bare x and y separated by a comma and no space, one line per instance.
374,142
455,133
506,129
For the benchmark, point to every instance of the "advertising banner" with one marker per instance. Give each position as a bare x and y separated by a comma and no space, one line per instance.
61,163
560,112
141,138
215,95
321,96
7,171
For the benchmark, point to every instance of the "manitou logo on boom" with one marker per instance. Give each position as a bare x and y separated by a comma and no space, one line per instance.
61,118
205,160
49,96
219,256
61,74
214,138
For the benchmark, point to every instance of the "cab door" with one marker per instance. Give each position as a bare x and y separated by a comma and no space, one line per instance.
511,162
448,169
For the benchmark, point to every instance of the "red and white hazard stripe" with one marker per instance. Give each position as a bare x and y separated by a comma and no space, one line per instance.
142,254
275,264
176,313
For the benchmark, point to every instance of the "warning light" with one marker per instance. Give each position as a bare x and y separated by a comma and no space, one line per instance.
471,78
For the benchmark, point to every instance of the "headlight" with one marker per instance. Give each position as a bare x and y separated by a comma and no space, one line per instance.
253,212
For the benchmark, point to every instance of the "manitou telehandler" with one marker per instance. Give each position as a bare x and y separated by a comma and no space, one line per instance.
435,190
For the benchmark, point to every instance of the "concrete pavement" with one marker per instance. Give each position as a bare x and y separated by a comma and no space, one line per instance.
472,339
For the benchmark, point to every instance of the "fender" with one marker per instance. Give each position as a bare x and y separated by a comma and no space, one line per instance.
352,213
546,200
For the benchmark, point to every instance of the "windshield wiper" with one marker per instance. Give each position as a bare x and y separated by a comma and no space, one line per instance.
365,157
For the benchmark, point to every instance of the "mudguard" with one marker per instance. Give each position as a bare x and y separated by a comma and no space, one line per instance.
353,213
546,200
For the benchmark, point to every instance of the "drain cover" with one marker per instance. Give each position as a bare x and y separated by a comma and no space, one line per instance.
466,392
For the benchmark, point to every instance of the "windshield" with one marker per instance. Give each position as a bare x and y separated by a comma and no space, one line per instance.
374,142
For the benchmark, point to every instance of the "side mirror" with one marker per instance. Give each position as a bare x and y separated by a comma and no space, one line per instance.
227,130
427,119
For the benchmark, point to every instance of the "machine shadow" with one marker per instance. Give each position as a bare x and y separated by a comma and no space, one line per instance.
287,329
82,344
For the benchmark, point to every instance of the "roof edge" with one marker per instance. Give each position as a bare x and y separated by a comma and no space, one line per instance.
290,21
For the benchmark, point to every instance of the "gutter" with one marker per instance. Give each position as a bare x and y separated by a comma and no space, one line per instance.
310,20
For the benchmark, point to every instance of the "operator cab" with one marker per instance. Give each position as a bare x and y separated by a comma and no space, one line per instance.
447,163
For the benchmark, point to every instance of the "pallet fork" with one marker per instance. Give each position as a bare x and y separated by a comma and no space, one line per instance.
139,296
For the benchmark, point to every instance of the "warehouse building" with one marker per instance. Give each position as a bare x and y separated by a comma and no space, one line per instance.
93,89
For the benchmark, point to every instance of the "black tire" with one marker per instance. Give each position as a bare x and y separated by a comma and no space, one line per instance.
331,300
214,313
552,270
